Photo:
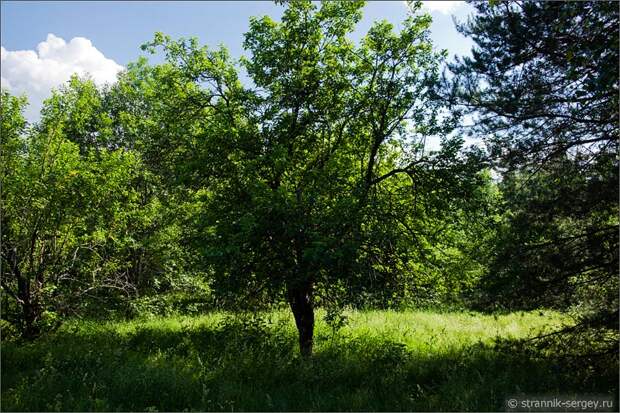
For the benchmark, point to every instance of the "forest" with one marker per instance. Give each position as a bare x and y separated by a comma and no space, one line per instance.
273,233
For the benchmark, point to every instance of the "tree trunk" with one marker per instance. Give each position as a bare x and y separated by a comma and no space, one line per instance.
31,314
300,300
30,309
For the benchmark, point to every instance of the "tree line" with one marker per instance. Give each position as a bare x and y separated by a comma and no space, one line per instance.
312,185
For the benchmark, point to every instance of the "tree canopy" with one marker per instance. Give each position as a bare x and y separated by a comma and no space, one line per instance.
543,84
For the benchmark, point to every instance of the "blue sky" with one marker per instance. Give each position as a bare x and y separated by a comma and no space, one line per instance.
111,34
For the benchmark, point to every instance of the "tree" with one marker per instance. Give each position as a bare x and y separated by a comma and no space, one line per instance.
300,174
66,212
543,84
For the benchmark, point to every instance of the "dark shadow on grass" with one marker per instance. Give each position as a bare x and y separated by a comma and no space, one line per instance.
238,366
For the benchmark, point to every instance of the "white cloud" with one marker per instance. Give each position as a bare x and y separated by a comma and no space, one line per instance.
35,73
444,7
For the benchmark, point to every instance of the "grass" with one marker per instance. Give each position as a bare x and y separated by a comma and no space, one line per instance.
381,360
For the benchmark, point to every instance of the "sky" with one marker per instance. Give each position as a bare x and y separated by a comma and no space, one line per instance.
44,42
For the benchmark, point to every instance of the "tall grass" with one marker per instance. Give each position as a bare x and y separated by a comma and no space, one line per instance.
381,360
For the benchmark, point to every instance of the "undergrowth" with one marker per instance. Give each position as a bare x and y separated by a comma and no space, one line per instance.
379,360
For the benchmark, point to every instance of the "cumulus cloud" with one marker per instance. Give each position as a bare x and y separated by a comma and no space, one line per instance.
444,7
35,73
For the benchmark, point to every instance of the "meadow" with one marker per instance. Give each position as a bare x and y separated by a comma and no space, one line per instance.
379,361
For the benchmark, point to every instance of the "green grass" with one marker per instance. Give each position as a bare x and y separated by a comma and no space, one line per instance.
382,360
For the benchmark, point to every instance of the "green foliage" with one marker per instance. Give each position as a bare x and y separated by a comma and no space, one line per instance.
313,182
305,178
190,299
179,190
12,127
84,225
543,84
77,112
62,212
